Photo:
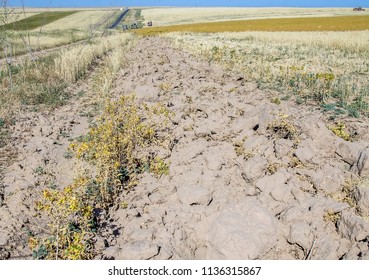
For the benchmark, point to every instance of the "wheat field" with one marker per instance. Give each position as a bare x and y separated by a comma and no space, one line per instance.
82,20
174,16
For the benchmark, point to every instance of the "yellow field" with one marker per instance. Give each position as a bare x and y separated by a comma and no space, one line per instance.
83,20
20,13
339,23
174,16
41,10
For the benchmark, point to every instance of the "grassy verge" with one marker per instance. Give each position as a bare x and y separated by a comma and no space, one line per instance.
36,21
43,82
139,18
30,83
339,23
24,42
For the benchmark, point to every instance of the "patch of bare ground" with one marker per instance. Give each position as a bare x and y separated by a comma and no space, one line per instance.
248,178
36,157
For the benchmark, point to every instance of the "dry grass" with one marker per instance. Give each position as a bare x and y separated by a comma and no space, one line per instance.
72,64
33,82
29,41
44,81
174,16
330,68
41,10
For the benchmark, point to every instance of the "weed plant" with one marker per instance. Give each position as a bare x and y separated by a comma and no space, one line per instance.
119,148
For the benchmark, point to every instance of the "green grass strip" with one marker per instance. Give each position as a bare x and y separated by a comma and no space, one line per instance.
38,20
338,23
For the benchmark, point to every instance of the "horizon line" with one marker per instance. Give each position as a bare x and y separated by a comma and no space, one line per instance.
87,7
180,6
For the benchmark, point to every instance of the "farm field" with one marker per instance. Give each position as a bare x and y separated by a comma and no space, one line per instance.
175,16
15,16
84,20
56,28
36,21
339,23
156,144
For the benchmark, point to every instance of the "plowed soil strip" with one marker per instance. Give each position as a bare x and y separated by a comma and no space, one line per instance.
249,179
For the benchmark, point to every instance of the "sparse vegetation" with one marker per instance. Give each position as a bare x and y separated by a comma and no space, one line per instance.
241,151
44,81
331,216
283,127
321,67
124,132
346,194
115,146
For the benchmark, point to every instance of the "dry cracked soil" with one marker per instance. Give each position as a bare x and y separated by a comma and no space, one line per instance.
248,178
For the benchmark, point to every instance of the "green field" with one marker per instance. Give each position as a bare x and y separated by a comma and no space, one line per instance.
38,20
339,23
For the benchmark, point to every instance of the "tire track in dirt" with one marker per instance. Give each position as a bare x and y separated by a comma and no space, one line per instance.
37,54
249,179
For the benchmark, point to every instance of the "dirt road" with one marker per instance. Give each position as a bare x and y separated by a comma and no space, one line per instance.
249,179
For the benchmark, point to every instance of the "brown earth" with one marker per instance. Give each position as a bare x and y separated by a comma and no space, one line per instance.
249,179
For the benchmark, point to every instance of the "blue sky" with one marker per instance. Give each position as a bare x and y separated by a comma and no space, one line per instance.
199,3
